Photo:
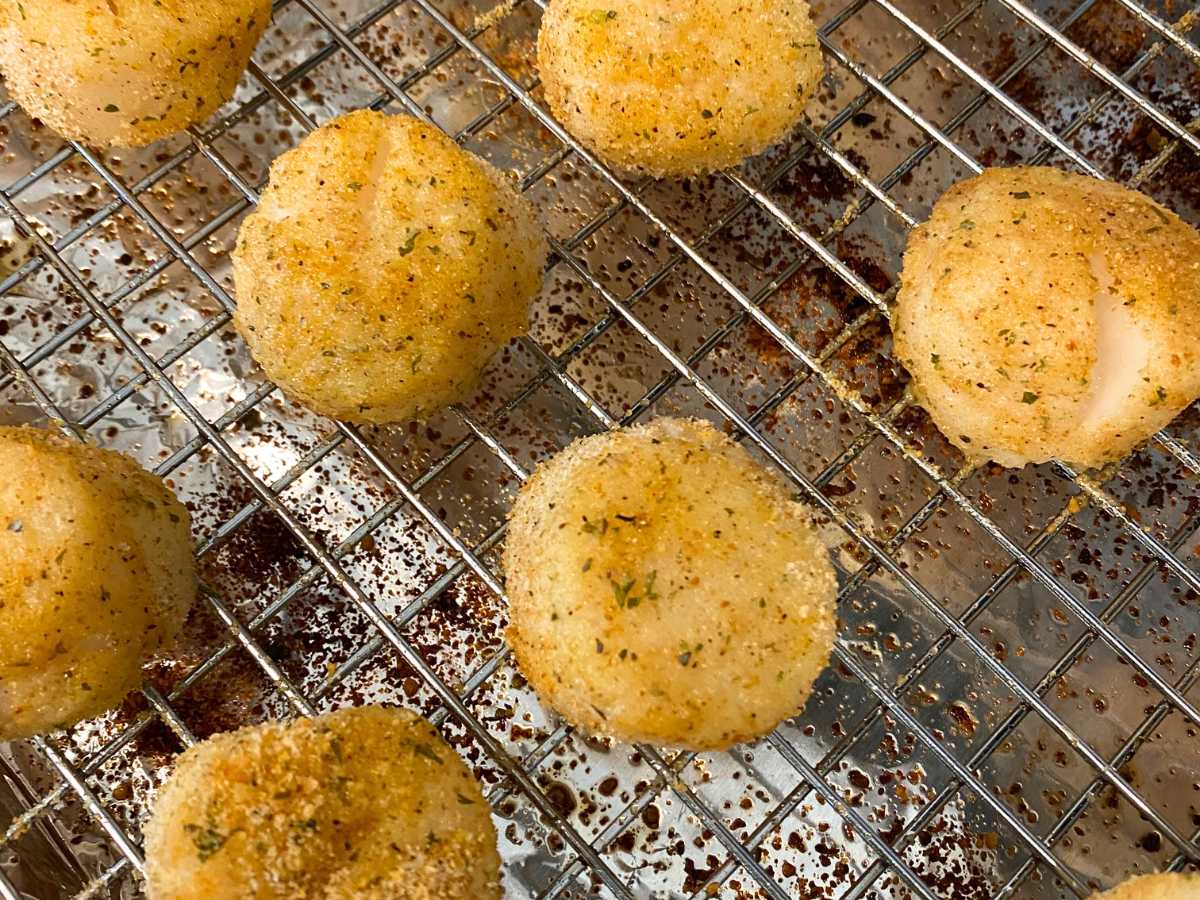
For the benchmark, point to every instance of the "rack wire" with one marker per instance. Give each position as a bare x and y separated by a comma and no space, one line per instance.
935,757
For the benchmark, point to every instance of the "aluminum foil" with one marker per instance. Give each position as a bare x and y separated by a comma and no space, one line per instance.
325,645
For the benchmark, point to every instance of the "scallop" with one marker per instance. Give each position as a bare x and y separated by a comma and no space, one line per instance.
1046,315
383,269
676,87
666,588
126,72
96,578
1162,886
359,804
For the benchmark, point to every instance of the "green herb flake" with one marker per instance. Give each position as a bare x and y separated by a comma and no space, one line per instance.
706,113
355,186
410,244
592,528
463,799
206,839
621,591
1029,397
966,225
112,107
685,657
587,564
936,360
650,592
1020,195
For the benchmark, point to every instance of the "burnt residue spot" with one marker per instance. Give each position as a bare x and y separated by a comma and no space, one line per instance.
1151,842
651,817
227,697
964,720
1026,88
1177,184
262,552
815,303
561,797
1110,33
697,876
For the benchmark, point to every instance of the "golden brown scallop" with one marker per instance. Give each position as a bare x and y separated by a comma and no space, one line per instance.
126,72
96,577
675,87
359,804
1162,886
666,588
1047,315
384,267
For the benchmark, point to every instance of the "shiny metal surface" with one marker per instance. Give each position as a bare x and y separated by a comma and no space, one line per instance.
1011,709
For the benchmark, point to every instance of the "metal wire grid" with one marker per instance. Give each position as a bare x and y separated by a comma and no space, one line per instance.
890,862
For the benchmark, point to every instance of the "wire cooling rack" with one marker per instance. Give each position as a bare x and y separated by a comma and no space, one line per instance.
1009,711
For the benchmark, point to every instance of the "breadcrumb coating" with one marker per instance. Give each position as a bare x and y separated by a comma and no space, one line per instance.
384,267
126,72
1046,315
666,588
96,577
676,87
359,804
1161,886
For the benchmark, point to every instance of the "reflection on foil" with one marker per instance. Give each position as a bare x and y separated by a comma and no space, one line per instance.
328,650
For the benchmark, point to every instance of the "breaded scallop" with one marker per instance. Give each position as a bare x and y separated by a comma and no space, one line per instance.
1045,315
1161,886
383,268
359,804
675,87
126,72
665,588
96,576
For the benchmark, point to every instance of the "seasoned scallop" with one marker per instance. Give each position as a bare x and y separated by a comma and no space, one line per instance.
675,87
96,576
126,72
1047,315
359,804
383,269
1162,886
665,588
